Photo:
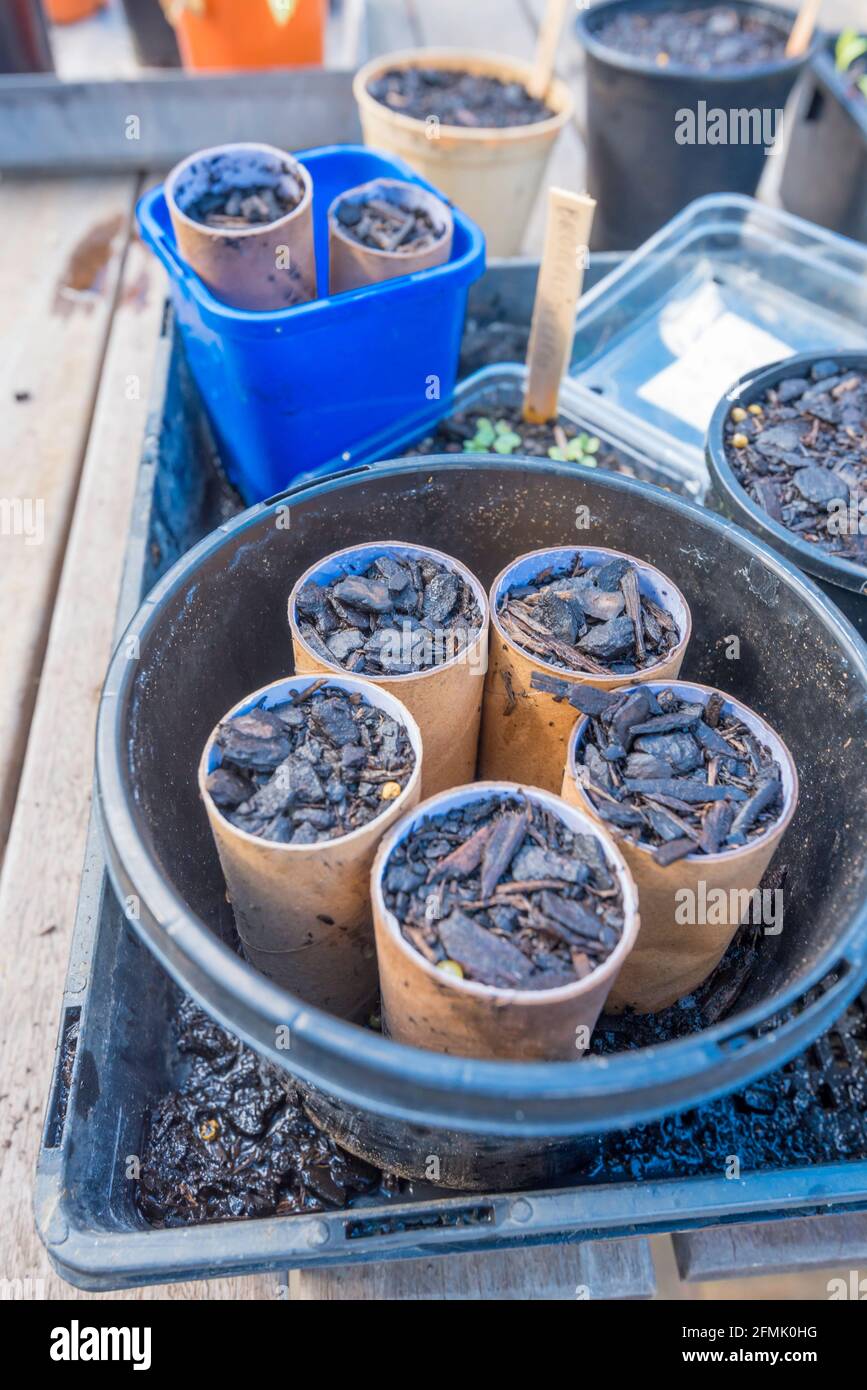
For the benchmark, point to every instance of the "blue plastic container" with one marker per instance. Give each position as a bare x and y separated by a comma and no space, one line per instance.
288,391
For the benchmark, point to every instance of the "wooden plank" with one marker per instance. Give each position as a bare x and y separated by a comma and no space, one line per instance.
773,1247
391,25
621,1269
46,843
49,126
497,26
346,34
98,47
57,289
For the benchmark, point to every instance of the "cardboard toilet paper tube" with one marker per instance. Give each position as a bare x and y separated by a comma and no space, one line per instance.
353,265
428,1008
672,958
268,266
446,701
303,911
525,732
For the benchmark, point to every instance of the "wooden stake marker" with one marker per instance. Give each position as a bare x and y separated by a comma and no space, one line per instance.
546,49
561,277
802,30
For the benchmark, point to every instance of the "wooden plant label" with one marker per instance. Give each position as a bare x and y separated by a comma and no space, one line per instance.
801,35
561,276
546,49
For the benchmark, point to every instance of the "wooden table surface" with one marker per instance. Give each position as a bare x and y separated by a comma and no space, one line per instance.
83,303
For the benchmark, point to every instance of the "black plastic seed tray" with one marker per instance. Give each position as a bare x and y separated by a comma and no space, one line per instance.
800,1135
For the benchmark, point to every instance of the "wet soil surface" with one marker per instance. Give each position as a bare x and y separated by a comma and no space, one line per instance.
503,893
320,766
457,98
398,616
704,39
240,194
684,777
801,455
811,1111
234,1141
383,225
591,618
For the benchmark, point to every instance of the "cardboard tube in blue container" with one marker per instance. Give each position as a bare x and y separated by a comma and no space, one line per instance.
290,390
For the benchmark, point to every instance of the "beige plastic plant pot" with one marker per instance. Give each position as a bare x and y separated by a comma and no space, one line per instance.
429,1008
446,701
271,266
672,958
494,175
525,732
352,265
303,911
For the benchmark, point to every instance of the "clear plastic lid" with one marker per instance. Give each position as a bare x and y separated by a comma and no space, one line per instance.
727,287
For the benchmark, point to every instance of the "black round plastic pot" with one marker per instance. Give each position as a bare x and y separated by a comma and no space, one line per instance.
636,169
153,37
24,45
844,581
215,628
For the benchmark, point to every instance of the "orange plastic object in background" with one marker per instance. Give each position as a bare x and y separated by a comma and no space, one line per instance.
68,11
232,34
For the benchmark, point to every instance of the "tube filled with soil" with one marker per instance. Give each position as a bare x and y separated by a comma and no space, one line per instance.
384,229
414,622
698,791
502,917
243,221
467,123
593,615
300,781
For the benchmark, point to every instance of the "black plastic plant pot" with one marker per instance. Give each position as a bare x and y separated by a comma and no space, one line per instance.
638,172
215,628
825,174
843,580
152,35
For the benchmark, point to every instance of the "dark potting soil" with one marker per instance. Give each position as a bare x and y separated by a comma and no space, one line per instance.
321,765
704,39
801,455
503,893
503,430
588,618
234,1141
400,615
684,777
812,1108
457,98
386,226
263,197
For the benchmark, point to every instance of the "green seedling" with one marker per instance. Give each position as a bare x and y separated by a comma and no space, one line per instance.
850,47
498,438
578,450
